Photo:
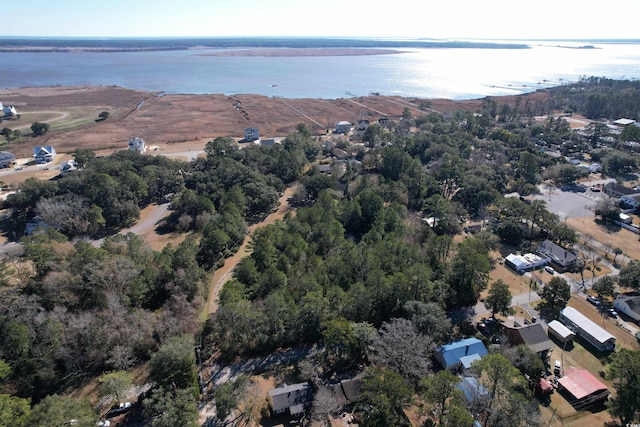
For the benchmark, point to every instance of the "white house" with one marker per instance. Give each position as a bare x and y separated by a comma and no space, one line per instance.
8,110
67,167
137,144
559,256
251,134
343,127
44,154
629,305
588,330
295,398
525,262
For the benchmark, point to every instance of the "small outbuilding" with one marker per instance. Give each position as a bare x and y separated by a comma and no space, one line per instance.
560,332
471,389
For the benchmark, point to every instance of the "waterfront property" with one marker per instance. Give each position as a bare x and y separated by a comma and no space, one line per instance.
137,144
7,160
44,154
251,134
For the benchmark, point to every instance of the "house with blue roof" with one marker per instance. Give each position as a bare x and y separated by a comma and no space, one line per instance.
472,389
44,154
460,354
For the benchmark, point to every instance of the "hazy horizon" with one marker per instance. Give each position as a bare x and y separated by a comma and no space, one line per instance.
455,19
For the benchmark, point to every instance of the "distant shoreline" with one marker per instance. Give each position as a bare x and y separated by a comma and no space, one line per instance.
359,46
302,51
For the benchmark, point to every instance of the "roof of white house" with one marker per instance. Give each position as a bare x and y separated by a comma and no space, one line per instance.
560,329
525,260
633,302
587,325
624,122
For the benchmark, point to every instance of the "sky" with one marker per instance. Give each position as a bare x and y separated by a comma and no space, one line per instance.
441,19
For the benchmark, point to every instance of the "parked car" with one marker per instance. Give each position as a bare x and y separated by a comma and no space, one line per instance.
593,300
611,312
595,189
549,270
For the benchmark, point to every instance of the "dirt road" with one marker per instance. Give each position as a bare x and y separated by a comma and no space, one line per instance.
221,275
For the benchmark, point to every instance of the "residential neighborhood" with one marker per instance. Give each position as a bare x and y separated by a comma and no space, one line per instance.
420,269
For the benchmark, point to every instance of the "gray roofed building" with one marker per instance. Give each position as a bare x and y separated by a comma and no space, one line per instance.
614,189
558,255
7,159
629,305
586,329
521,331
293,397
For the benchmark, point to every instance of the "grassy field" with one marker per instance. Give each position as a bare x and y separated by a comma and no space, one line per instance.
611,237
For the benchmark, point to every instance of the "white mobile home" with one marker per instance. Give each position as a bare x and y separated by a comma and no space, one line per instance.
587,329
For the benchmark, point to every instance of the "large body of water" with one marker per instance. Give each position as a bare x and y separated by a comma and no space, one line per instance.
453,73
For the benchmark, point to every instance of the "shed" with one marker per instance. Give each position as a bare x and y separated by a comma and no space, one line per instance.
346,391
583,387
587,329
449,355
560,332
